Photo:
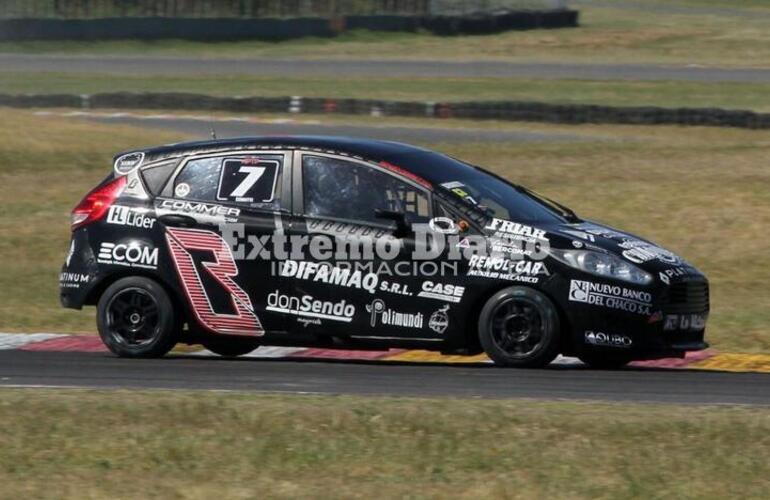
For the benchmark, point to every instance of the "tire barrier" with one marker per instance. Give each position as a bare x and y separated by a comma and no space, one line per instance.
210,29
488,110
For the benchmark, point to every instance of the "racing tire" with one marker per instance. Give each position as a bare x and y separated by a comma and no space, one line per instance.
232,347
603,362
519,327
136,319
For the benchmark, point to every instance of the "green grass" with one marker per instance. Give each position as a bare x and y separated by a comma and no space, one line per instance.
700,191
92,444
606,35
617,93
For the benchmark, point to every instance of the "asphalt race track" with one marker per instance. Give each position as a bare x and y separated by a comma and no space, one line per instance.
133,65
100,370
235,127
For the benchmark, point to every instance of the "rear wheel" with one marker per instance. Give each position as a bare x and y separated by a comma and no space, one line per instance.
519,327
231,347
136,319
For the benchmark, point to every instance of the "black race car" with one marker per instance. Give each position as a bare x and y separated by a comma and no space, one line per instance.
346,243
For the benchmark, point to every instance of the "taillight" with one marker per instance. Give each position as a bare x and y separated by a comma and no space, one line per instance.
96,203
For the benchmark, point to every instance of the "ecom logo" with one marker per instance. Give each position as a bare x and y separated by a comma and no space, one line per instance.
133,254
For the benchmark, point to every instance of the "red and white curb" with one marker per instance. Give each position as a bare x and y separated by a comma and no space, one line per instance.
699,360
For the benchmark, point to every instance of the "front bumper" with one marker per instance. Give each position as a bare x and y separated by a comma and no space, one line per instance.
675,325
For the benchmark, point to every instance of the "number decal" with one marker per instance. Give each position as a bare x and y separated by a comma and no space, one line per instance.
252,176
223,269
249,180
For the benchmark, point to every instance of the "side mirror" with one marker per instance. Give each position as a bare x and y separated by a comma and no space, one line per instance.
403,227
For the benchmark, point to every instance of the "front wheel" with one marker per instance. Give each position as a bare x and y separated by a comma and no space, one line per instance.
136,319
519,327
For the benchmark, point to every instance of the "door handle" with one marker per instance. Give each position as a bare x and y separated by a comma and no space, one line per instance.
177,220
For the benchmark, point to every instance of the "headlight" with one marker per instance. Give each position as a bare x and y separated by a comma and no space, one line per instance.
602,264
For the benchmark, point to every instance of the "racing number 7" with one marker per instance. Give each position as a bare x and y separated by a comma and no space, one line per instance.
252,176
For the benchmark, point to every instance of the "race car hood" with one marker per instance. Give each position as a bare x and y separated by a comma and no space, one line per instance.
638,251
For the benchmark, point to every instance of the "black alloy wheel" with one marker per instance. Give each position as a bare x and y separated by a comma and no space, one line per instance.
519,327
136,318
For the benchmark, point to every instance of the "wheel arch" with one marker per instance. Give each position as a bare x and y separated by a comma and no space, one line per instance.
178,302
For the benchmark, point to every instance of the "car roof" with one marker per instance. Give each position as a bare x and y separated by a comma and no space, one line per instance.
432,166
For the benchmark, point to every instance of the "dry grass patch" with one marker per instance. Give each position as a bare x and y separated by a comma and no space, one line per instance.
607,35
96,444
670,94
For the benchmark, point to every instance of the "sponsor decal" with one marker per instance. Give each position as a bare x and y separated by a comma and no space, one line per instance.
210,210
127,163
70,253
344,229
603,232
220,266
133,254
182,190
443,225
518,248
348,277
73,280
607,339
389,317
640,252
611,296
127,216
515,230
665,276
459,190
685,322
526,271
331,275
656,316
439,320
397,288
307,306
580,234
309,321
439,291
135,188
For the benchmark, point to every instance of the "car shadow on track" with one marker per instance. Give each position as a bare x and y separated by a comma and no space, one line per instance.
408,363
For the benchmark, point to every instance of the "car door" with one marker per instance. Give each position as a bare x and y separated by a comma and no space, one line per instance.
221,212
366,288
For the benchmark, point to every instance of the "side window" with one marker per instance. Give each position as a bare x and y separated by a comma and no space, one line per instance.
155,177
251,180
347,190
198,180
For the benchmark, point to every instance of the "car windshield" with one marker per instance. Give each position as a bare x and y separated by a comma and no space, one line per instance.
497,198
